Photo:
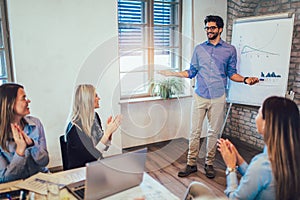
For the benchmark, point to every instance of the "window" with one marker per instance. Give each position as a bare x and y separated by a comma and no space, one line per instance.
149,40
5,61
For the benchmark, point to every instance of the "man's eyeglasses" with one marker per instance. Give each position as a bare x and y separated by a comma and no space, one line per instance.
212,28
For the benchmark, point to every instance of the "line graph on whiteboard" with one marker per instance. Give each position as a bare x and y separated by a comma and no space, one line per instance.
258,51
251,49
246,50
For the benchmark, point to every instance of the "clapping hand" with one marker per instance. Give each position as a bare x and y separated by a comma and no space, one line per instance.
228,152
19,140
27,139
112,125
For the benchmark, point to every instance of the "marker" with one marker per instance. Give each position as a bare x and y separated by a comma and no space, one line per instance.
261,79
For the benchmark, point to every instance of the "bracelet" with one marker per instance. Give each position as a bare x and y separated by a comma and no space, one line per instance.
245,79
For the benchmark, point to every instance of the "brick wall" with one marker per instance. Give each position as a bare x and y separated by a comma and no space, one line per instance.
241,119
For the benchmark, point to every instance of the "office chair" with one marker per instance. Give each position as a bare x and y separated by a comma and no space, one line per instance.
64,153
198,190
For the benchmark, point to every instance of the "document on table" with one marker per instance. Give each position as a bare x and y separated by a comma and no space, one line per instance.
38,183
70,176
149,189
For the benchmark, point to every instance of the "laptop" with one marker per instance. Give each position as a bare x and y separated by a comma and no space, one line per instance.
110,175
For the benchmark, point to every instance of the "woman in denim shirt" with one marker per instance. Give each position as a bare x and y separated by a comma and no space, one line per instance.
23,150
273,174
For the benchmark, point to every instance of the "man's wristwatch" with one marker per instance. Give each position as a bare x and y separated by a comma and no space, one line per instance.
245,79
229,170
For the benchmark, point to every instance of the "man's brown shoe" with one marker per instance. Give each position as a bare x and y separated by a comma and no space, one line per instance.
188,170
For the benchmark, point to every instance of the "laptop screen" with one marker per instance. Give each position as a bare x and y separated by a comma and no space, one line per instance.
113,174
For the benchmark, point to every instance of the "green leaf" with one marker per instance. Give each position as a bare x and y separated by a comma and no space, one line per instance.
167,87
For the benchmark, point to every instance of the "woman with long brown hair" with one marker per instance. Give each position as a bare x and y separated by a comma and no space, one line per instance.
273,174
23,150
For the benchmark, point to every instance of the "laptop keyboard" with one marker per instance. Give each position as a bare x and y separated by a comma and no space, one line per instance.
80,191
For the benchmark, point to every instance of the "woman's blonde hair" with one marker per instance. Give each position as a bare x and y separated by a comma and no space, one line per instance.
282,137
8,95
82,114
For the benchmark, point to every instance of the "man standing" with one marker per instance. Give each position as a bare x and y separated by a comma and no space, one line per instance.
213,61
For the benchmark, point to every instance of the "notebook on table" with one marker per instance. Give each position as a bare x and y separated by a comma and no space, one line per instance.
110,175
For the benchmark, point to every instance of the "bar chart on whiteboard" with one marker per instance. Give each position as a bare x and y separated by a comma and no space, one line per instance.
263,50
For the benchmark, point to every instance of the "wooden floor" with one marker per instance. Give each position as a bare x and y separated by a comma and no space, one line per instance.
165,159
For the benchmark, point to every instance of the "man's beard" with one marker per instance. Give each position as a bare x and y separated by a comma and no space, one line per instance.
215,35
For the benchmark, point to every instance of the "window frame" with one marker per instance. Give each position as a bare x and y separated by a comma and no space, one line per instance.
6,43
150,47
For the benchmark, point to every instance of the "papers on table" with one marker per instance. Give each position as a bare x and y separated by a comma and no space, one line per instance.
70,176
38,183
149,189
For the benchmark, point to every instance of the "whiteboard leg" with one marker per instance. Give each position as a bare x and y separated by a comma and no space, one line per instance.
224,123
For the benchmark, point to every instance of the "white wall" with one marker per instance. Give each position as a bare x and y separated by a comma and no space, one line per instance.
154,121
58,44
202,8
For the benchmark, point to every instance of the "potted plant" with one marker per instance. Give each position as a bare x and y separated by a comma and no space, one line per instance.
166,88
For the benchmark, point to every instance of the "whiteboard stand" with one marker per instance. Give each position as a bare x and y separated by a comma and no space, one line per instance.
225,120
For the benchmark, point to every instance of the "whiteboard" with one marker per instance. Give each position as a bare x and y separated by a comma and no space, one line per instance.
263,47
